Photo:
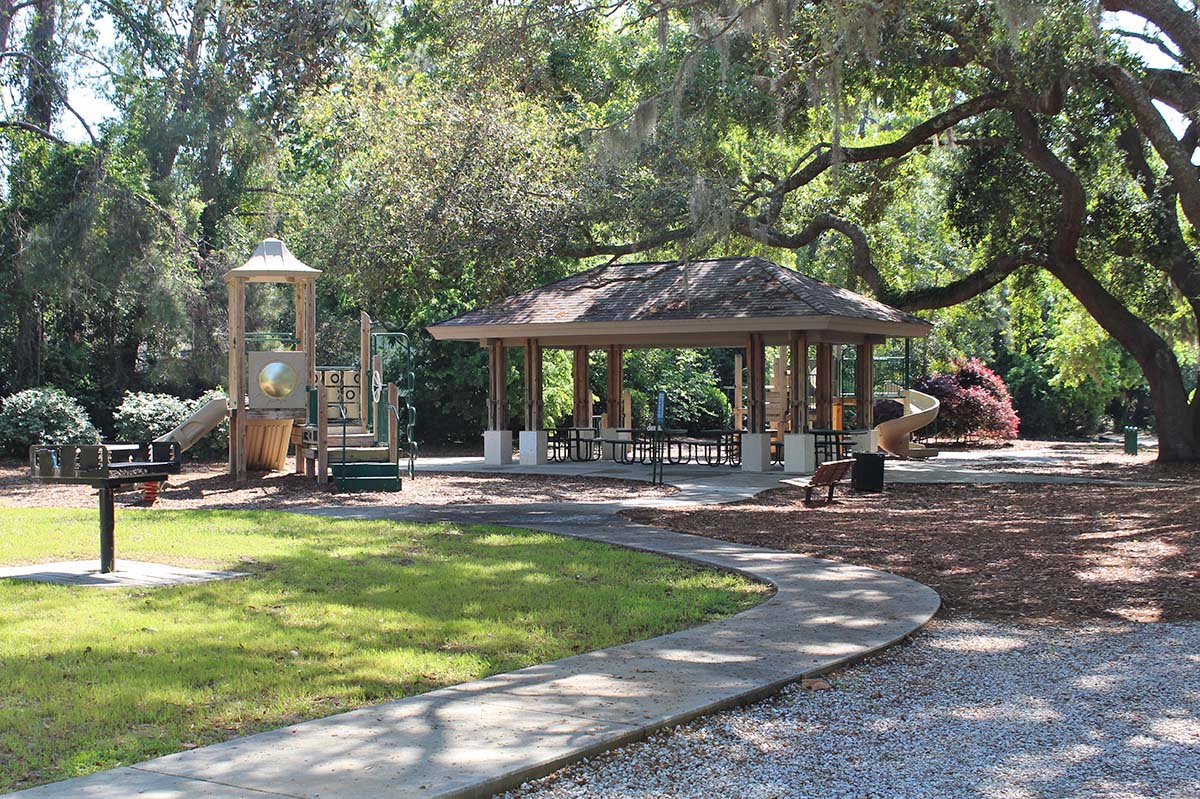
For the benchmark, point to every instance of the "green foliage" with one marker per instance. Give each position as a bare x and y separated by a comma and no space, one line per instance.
695,399
43,416
1049,408
142,416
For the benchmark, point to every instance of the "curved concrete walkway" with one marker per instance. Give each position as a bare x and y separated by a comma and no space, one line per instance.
475,739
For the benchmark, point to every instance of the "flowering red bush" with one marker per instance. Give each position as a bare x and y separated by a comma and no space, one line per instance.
975,403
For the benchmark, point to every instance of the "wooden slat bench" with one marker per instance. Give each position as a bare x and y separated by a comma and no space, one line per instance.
827,475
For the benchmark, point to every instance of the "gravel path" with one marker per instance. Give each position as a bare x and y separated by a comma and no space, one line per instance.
967,709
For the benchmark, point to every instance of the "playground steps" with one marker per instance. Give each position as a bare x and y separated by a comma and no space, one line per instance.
365,476
364,469
353,454
352,439
356,454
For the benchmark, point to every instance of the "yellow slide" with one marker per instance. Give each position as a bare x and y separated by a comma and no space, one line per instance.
895,435
196,426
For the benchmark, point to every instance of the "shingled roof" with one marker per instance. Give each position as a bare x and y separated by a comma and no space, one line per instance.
703,297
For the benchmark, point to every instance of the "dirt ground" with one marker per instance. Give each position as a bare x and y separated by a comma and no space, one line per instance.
1097,460
207,485
1008,551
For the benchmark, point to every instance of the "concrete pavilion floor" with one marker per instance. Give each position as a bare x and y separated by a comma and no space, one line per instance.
717,484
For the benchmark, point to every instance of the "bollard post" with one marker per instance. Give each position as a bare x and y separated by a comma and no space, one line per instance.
107,523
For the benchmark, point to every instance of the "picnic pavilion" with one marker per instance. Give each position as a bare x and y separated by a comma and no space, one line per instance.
743,302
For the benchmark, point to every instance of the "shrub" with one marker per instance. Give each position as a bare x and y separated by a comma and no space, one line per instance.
43,416
1048,408
887,410
975,403
143,416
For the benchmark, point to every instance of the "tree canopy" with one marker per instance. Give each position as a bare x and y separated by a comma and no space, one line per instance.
1020,171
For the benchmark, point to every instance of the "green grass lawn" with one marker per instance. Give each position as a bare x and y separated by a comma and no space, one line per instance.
336,614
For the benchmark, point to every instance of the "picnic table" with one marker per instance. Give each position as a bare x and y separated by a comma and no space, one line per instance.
830,444
574,444
711,447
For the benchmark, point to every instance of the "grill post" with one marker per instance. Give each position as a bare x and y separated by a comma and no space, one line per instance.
107,523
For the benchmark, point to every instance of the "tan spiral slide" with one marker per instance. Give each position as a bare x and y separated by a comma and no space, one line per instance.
895,435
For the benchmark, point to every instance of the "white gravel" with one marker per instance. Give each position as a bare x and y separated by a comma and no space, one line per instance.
967,709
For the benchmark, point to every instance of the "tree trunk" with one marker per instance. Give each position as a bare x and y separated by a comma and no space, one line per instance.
7,10
27,355
40,77
1175,422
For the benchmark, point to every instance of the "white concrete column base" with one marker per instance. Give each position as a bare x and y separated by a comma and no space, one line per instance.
534,447
756,452
799,453
497,447
864,441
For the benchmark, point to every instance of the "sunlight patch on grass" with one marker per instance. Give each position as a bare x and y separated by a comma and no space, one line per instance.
335,614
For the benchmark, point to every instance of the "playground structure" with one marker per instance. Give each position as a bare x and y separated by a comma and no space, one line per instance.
342,417
280,398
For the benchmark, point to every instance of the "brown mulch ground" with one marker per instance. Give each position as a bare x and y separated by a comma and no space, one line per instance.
1002,551
1088,459
208,485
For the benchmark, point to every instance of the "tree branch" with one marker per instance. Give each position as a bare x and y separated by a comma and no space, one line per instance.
58,90
32,128
649,243
1179,25
1155,128
920,299
895,149
1180,90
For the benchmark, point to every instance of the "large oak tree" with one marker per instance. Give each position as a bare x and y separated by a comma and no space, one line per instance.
1065,160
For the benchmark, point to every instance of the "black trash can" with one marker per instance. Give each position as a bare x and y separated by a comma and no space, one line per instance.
867,474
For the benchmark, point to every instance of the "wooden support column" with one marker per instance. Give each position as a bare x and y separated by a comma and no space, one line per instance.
798,381
309,339
301,303
756,365
364,366
824,418
616,385
864,386
582,414
534,404
237,378
739,393
321,464
393,423
497,385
